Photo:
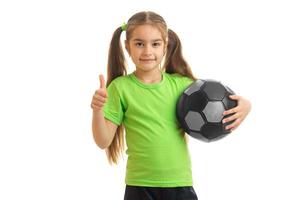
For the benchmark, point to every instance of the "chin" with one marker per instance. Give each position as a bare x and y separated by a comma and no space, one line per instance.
148,68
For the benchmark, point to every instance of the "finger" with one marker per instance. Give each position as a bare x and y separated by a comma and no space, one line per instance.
102,81
234,125
99,99
230,111
98,103
234,97
231,118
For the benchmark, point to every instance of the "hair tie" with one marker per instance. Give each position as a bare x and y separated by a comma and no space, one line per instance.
124,26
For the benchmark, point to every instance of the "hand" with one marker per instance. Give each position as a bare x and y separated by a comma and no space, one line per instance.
100,95
239,112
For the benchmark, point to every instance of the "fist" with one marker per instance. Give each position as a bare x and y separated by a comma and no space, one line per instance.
100,96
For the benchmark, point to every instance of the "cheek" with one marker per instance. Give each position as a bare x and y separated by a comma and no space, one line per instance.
135,52
161,55
135,58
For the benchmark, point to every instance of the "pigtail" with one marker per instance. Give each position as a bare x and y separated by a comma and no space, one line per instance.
116,67
175,63
116,61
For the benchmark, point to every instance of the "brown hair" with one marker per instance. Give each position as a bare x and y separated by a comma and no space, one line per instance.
174,63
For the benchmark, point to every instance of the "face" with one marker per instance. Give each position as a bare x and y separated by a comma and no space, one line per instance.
146,47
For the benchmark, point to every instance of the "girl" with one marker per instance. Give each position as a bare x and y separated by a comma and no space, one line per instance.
143,103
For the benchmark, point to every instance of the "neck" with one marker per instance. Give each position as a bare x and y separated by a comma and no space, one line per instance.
154,76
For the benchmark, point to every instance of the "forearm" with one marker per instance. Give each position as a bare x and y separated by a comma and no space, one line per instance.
100,130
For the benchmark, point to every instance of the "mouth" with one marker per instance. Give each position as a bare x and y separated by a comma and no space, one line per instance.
147,60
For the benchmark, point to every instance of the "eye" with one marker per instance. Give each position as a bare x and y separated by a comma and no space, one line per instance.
138,44
156,44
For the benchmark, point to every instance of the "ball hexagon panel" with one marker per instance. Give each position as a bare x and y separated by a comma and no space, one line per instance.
213,111
214,91
194,121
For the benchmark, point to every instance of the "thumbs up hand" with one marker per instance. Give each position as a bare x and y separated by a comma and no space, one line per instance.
100,96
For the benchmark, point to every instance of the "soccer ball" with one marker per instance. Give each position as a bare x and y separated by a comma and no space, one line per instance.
200,109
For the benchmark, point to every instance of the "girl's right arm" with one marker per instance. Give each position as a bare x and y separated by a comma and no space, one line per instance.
103,130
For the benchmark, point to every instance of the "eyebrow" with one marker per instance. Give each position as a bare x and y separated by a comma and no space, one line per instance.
140,40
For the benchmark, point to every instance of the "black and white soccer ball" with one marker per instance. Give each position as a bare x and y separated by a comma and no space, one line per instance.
200,109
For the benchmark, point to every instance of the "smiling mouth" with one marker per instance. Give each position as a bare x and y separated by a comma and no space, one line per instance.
147,60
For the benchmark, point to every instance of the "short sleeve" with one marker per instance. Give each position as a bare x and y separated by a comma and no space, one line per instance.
186,81
113,107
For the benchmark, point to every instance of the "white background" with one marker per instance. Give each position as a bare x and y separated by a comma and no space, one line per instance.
51,53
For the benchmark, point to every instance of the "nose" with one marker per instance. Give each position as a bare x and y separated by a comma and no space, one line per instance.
147,50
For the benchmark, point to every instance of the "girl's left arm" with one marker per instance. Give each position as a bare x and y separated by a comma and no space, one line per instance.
239,112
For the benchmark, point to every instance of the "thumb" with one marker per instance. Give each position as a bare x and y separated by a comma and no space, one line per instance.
102,82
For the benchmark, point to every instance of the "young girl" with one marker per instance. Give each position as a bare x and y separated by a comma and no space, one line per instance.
144,103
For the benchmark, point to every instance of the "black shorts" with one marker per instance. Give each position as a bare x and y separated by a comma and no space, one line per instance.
159,193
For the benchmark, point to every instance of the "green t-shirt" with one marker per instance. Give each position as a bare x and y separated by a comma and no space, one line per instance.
158,155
